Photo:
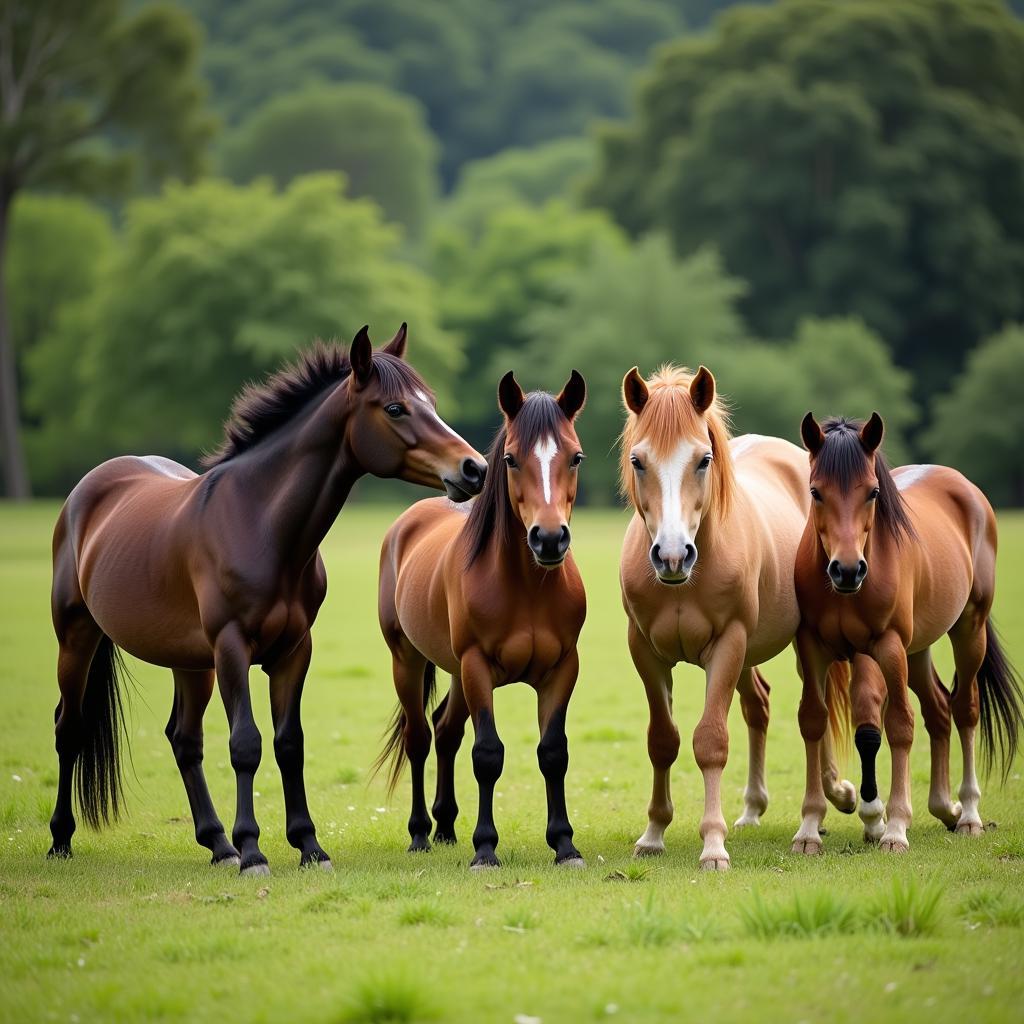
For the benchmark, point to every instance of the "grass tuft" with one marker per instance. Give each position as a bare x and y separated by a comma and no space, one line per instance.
805,916
650,926
520,920
910,908
388,999
426,912
996,909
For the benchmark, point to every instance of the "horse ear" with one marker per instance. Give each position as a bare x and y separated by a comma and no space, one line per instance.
634,391
510,396
573,395
872,432
361,356
396,346
811,435
702,389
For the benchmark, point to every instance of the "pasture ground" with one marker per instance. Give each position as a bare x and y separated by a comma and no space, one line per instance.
138,926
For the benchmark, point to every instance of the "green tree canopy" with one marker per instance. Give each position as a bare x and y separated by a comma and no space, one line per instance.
977,426
863,158
377,138
92,95
213,285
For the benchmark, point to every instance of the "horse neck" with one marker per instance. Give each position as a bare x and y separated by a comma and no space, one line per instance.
299,478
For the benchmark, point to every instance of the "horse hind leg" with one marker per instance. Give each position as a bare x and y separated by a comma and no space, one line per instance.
969,645
925,682
192,693
754,702
78,637
449,719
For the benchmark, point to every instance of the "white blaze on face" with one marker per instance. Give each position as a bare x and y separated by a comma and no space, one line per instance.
545,452
673,534
431,411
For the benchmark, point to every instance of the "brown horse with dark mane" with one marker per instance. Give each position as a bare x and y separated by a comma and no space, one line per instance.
493,597
888,563
210,574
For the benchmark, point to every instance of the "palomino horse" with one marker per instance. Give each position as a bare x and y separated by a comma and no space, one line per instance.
493,597
742,502
888,563
212,574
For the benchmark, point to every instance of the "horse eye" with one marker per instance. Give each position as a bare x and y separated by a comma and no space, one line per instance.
394,410
814,494
874,494
704,463
577,459
510,462
637,464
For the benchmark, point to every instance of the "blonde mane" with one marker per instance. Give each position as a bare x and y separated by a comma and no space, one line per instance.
669,417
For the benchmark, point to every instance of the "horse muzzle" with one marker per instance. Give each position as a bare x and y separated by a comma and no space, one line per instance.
468,482
673,567
549,547
847,579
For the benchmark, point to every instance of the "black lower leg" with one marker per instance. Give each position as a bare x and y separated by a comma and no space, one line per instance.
447,740
289,750
419,819
246,752
69,745
553,758
188,753
868,741
488,761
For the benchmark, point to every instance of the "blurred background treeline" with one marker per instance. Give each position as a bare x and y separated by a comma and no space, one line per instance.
822,200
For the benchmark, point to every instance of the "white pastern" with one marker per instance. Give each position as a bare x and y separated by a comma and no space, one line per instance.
670,475
545,451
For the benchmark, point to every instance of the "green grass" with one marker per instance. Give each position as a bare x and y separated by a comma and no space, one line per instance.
137,926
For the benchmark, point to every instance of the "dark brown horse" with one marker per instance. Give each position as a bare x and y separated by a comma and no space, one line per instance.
210,574
493,597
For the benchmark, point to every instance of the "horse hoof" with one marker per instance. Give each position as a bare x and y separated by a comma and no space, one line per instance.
648,849
893,845
232,860
808,847
969,828
419,845
445,838
256,869
325,865
59,852
571,862
748,820
714,864
485,863
846,802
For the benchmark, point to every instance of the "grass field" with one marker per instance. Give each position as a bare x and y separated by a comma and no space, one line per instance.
138,926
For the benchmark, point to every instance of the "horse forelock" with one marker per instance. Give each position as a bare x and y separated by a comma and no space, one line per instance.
670,417
262,408
843,462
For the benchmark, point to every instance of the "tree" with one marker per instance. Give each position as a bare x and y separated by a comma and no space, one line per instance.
491,283
213,285
377,138
978,424
861,159
89,92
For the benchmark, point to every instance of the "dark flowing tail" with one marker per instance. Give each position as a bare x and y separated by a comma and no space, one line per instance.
99,781
394,745
1000,701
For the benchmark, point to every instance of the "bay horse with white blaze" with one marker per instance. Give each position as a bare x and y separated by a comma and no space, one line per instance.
741,503
493,597
888,564
210,574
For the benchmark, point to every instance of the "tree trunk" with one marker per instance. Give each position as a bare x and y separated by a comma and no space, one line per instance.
11,452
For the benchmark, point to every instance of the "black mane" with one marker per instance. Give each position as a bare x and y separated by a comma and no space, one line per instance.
840,461
492,514
260,409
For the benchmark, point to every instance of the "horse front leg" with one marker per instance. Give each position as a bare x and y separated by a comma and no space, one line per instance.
891,656
662,740
488,754
232,660
813,663
867,699
711,741
287,676
553,756
754,695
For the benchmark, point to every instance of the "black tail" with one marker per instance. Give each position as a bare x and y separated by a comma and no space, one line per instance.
99,781
394,746
1000,700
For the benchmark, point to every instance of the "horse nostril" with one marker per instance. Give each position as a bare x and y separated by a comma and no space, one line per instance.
862,570
656,555
533,538
473,472
563,540
689,556
834,570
